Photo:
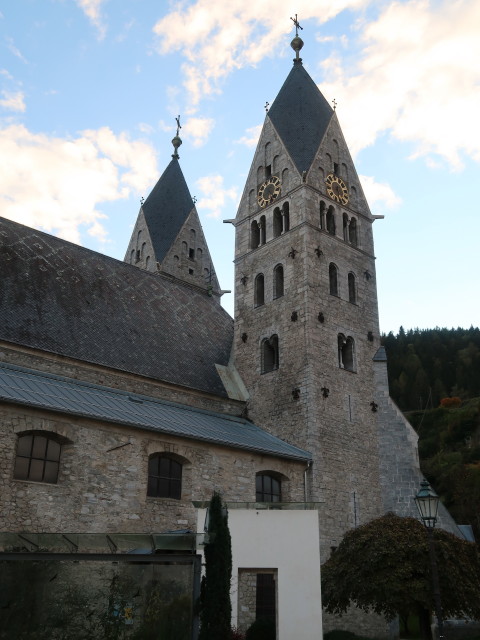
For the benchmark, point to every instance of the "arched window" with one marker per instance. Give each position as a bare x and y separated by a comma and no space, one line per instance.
251,200
270,354
268,488
333,279
278,284
345,227
263,230
285,184
277,222
286,216
323,209
352,232
321,174
147,262
259,290
38,457
142,254
344,172
260,175
132,256
346,352
275,165
184,248
331,220
255,234
268,155
164,477
352,290
353,195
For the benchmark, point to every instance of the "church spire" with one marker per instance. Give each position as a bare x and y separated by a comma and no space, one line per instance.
168,235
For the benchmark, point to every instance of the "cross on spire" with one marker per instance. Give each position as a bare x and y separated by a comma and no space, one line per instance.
297,24
334,102
179,126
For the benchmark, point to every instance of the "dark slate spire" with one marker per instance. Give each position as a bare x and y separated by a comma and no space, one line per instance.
166,209
300,114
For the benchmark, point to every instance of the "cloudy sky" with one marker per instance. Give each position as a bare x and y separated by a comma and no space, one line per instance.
89,91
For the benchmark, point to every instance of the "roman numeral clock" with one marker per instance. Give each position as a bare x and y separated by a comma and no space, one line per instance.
269,191
336,188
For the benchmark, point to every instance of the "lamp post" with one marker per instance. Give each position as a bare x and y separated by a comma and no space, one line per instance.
427,505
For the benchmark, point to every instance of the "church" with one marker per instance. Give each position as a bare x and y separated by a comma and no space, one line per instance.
129,396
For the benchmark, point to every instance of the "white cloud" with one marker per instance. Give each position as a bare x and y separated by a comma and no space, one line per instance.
218,37
57,184
251,137
197,130
416,77
13,49
13,101
378,193
92,9
215,195
6,74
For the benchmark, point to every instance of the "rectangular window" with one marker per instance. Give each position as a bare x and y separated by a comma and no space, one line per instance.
266,597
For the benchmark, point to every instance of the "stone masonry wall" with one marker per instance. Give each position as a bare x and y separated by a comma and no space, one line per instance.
102,483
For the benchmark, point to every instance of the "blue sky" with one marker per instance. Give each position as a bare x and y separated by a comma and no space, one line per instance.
89,91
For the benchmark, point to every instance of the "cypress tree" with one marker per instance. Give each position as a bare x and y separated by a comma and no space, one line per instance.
215,605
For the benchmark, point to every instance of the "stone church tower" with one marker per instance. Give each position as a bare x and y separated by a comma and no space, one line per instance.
306,318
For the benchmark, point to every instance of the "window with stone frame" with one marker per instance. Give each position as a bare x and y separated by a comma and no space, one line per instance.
38,457
164,477
345,227
352,288
333,279
268,488
352,232
323,211
346,352
330,220
259,293
270,359
278,282
286,217
254,235
277,223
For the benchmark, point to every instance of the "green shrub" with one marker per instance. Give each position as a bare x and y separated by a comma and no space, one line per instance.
261,629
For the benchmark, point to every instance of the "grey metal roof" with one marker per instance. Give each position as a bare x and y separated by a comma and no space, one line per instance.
166,209
301,115
68,300
65,395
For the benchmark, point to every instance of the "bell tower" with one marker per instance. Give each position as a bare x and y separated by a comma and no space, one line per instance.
306,319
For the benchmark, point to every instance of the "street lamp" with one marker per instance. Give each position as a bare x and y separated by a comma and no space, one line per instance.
427,505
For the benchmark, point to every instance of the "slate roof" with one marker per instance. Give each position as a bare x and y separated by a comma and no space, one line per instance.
166,208
300,114
65,299
65,395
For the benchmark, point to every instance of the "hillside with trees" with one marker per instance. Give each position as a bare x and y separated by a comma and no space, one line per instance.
427,365
434,377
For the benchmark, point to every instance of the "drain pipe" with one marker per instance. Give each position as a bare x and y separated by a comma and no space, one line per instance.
305,487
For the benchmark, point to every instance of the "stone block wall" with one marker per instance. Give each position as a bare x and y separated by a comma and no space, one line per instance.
102,483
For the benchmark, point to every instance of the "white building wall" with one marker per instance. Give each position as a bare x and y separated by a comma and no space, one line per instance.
288,541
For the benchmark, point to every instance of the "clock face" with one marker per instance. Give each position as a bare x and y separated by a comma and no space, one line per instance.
336,188
269,191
